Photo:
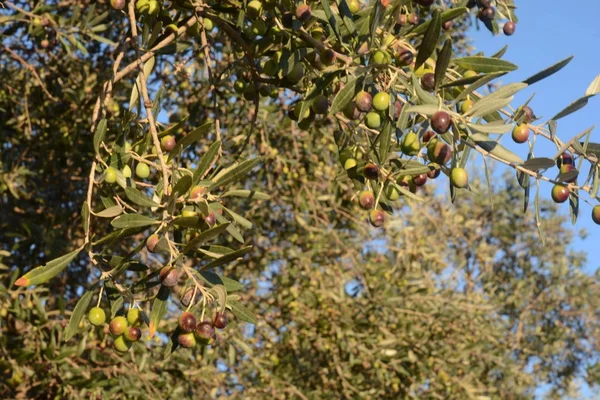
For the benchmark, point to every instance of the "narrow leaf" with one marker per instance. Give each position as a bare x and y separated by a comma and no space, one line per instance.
594,87
344,96
237,174
139,198
548,71
430,40
206,161
248,194
241,312
442,63
159,309
78,313
132,221
485,64
50,270
99,134
571,108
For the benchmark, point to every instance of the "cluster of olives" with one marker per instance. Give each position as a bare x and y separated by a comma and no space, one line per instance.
487,13
439,154
126,329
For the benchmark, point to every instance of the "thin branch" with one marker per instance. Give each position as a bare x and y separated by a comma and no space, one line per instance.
30,68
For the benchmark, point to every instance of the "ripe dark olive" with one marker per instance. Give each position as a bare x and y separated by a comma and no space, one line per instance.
117,4
420,180
151,242
484,3
509,28
440,122
569,173
205,331
187,297
565,158
424,3
363,101
560,193
328,57
320,105
133,334
521,133
371,171
167,143
366,200
433,173
210,219
596,215
427,136
351,111
186,340
428,82
397,109
439,152
118,325
376,218
401,19
404,57
220,321
459,178
187,321
168,276
487,14
528,112
303,12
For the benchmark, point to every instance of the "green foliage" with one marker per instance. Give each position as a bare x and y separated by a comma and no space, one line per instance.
249,158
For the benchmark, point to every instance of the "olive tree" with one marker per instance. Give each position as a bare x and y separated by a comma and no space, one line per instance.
164,161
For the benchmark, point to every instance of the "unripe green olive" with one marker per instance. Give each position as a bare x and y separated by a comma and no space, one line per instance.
466,105
410,144
254,9
373,120
121,345
596,215
459,178
97,316
381,101
134,317
142,170
110,175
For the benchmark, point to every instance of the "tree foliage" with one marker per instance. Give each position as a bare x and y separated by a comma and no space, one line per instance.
214,157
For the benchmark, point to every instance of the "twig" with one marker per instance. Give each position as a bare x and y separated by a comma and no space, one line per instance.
30,68
148,102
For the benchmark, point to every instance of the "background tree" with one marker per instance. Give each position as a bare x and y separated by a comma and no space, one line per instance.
207,116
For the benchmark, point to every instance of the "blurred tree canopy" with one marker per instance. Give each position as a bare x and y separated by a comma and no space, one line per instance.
255,204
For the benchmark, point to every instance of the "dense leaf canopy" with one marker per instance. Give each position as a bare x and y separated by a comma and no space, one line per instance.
273,165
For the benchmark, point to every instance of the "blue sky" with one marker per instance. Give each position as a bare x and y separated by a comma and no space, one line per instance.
548,32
